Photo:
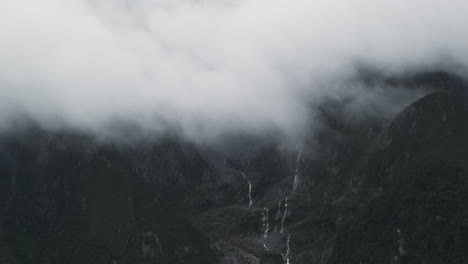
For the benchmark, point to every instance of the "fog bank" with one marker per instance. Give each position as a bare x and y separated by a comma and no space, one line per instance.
204,68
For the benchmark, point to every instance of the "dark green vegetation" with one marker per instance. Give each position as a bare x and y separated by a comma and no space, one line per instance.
369,191
67,201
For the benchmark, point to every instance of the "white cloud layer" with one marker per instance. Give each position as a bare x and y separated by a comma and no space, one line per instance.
206,67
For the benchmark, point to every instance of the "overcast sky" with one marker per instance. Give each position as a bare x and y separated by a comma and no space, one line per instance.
206,67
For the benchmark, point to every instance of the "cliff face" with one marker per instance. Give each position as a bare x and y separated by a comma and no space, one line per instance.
412,201
67,199
367,193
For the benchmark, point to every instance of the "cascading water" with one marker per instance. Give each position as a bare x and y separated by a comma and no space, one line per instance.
286,254
250,194
265,226
282,211
296,171
284,214
265,221
278,213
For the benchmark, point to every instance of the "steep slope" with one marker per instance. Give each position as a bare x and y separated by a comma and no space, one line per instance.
357,192
67,199
413,200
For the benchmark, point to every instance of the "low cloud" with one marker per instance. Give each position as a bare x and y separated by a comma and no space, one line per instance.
204,68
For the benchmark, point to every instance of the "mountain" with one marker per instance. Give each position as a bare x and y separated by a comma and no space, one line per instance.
367,191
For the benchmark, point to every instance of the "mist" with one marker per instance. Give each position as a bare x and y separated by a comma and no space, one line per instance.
205,68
